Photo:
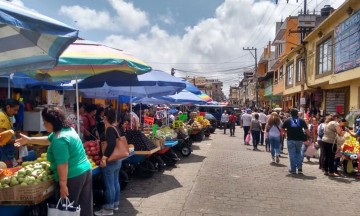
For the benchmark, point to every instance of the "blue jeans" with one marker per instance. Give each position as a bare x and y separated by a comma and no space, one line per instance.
111,183
274,145
294,149
303,150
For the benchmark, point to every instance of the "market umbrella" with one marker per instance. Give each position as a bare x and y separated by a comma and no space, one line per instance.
29,40
183,97
206,97
192,88
84,58
112,84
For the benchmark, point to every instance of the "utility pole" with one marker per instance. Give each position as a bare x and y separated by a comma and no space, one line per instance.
255,72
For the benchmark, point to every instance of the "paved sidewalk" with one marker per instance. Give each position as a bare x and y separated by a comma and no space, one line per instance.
225,177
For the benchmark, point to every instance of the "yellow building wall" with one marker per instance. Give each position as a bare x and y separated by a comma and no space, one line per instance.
327,30
350,78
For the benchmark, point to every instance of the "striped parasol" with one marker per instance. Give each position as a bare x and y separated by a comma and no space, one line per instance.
29,40
83,59
205,97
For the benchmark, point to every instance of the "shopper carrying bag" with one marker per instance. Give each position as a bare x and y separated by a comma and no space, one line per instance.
114,149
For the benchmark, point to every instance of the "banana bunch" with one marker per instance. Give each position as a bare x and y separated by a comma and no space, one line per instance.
204,123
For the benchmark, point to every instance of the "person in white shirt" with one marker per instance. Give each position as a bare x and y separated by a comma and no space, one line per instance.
262,119
224,120
246,122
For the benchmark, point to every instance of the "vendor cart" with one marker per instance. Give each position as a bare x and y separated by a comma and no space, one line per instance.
351,160
166,155
140,164
184,146
197,134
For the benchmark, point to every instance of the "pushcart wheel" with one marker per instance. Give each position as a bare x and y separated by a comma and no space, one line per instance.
145,170
185,151
124,179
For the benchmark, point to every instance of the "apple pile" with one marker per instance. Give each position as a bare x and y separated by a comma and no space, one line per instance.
92,149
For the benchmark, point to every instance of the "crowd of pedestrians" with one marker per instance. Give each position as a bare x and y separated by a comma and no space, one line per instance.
303,133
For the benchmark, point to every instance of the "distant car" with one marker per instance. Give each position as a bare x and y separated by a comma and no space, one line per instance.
212,120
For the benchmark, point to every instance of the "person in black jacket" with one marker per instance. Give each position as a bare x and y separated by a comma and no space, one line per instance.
110,170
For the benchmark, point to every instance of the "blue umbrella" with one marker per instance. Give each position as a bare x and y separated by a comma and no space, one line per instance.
192,88
30,40
184,97
110,85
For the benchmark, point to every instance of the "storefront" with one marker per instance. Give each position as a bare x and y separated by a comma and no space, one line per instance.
337,101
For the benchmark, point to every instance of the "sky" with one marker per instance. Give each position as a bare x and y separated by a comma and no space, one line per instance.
196,37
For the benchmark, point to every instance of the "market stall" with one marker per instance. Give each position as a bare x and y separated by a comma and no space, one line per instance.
350,151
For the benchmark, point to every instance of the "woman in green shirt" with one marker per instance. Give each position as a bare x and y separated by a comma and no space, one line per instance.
68,161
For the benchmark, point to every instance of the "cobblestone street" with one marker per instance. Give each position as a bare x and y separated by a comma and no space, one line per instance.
225,177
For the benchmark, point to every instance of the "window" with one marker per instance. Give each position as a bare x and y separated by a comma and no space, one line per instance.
299,69
289,74
324,56
281,73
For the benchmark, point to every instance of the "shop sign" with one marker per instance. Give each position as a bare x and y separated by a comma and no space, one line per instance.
183,117
154,128
148,120
302,101
199,118
347,44
177,124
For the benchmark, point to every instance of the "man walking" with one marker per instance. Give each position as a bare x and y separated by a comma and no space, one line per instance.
246,122
262,119
232,122
294,127
224,120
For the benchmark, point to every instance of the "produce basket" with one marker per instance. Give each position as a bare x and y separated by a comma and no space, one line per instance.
27,195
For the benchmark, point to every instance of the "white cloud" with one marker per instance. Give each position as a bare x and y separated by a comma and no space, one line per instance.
167,18
127,18
236,24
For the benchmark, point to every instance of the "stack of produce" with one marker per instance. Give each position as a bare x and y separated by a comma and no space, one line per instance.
158,139
204,123
140,141
92,149
31,173
169,133
351,146
196,125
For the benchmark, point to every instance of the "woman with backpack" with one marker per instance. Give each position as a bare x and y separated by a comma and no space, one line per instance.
255,129
273,129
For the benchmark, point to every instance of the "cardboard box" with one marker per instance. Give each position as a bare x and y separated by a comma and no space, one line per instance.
33,192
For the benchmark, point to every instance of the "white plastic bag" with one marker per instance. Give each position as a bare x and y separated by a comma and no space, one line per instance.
65,209
310,151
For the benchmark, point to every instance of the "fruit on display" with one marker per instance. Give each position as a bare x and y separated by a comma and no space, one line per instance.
2,165
351,146
5,136
196,125
140,141
92,149
169,133
31,173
